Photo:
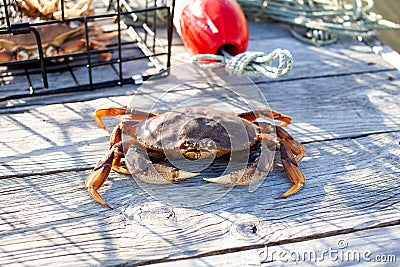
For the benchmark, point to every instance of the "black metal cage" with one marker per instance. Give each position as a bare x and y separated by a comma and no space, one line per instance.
139,47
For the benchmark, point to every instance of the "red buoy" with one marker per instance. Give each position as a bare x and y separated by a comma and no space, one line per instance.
207,26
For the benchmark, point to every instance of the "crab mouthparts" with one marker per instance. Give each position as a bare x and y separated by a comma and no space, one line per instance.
192,154
195,150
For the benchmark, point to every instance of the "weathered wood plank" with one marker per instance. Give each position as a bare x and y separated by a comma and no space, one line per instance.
267,30
346,57
335,107
375,247
50,219
342,103
64,136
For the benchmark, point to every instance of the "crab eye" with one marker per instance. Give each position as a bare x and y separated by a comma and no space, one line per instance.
207,144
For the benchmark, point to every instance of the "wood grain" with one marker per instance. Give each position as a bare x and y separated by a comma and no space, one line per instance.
344,101
65,136
346,57
63,223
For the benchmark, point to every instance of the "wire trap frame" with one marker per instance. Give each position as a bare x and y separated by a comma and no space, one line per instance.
66,51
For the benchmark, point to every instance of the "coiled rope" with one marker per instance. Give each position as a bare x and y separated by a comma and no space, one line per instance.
248,63
317,22
320,22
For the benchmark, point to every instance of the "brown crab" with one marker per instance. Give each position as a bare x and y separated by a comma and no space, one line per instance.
194,133
56,39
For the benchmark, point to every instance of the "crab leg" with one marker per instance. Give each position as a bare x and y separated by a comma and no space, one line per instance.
141,167
62,37
292,170
269,113
129,128
6,45
288,148
255,173
295,146
292,152
124,112
126,127
110,161
100,173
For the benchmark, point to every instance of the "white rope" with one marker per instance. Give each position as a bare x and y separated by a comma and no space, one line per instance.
248,63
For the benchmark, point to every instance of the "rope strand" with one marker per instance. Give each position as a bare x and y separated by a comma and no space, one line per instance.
248,63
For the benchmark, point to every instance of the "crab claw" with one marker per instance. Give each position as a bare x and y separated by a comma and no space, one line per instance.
148,172
165,175
246,176
124,112
281,117
272,114
225,179
250,174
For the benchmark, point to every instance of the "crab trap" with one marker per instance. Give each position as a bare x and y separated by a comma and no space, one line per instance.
62,46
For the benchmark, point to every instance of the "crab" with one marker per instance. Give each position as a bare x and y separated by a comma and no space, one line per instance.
56,39
46,9
194,133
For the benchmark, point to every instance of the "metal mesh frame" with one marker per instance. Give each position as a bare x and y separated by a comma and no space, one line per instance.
135,43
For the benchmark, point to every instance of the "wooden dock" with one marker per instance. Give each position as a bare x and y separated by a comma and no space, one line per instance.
345,103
